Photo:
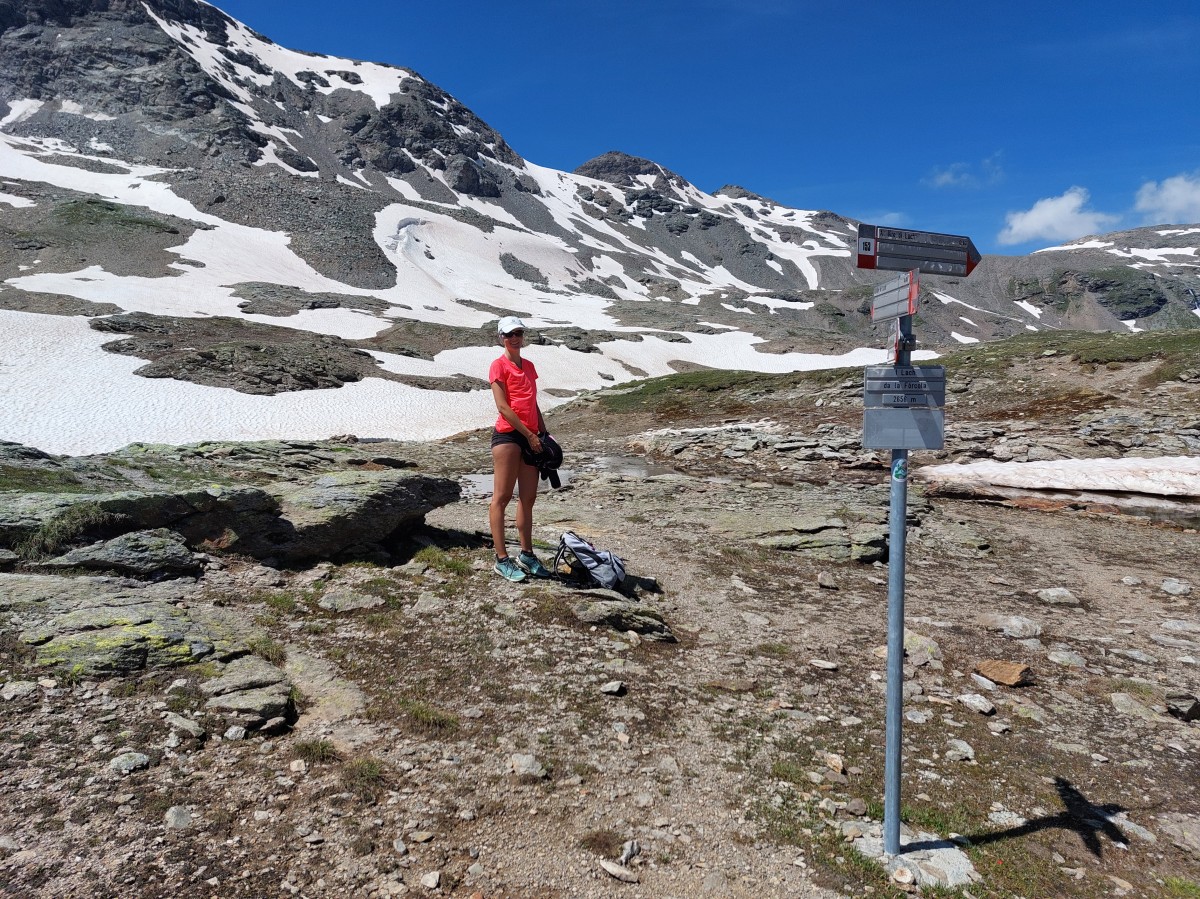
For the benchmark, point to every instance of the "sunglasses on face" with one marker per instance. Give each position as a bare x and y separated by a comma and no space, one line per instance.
514,334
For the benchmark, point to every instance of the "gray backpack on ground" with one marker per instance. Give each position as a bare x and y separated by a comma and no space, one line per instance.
588,563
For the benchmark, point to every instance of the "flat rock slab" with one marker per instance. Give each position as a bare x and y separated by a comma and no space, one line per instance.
195,513
1010,674
1127,705
102,626
262,703
252,687
348,601
329,698
318,517
932,860
245,673
1182,830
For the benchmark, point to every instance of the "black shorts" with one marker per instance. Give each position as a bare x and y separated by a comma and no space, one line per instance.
499,437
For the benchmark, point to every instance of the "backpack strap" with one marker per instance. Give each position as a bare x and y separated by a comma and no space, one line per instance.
563,549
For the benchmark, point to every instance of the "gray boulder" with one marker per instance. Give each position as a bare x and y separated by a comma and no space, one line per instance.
608,608
1015,626
338,512
139,553
252,687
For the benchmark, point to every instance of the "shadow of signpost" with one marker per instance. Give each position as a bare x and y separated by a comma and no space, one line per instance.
1079,815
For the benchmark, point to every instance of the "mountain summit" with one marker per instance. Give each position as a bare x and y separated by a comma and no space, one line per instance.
163,164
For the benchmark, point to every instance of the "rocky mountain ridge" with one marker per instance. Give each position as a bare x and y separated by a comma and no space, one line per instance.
268,137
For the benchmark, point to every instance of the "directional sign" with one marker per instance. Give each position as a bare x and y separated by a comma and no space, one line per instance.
887,386
896,297
904,429
899,249
903,407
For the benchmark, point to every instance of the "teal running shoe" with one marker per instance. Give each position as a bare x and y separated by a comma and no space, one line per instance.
509,570
533,565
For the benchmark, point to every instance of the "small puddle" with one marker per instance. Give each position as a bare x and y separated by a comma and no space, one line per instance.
631,466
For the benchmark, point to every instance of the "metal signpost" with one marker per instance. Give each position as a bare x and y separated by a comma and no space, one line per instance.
903,409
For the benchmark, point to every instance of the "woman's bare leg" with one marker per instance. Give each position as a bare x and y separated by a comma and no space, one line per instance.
506,458
527,479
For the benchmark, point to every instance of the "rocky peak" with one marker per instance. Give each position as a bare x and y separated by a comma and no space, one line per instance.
229,90
735,192
624,170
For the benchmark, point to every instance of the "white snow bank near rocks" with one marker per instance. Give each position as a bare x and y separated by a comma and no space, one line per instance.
1164,476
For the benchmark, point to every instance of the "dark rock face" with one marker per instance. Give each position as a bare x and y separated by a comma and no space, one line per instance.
342,513
226,352
468,177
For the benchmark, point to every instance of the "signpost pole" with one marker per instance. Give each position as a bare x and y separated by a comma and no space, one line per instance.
897,533
902,410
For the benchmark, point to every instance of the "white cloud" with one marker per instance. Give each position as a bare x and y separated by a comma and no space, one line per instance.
956,174
965,176
1174,201
1055,218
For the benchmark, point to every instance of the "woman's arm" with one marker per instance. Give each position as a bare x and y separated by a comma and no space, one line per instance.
500,395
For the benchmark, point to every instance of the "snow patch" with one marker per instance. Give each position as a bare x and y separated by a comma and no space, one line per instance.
1081,245
20,110
72,108
1165,476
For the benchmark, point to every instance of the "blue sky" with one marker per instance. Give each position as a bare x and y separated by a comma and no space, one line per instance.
1021,124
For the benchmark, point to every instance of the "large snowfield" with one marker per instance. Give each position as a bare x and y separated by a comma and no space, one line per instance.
61,392
64,394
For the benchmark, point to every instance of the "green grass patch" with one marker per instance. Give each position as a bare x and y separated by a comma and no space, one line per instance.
74,525
283,603
428,718
790,771
316,752
266,648
720,393
442,561
387,589
1181,888
94,213
604,843
773,650
1137,688
39,480
366,777
1174,351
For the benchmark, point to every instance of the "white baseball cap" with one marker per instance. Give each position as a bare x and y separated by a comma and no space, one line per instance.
508,324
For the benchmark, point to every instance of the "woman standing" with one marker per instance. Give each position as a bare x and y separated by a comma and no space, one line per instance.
518,426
